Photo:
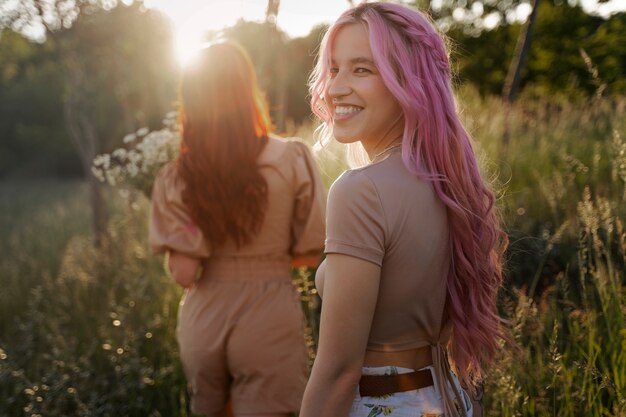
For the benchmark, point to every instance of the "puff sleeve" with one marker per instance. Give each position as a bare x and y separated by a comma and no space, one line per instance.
355,218
170,225
308,224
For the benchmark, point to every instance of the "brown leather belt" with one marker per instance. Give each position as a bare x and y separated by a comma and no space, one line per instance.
379,385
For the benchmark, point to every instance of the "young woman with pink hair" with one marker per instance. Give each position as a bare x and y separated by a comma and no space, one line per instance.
413,241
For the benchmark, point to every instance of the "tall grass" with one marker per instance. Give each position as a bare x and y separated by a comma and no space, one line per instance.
87,333
573,335
563,183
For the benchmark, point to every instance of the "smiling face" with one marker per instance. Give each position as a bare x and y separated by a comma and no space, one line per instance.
362,108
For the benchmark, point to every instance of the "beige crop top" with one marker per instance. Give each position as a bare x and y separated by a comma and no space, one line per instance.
384,214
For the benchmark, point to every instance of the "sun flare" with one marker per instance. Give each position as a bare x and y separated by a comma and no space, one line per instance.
192,19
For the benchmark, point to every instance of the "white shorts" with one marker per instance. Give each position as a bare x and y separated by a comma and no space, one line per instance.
424,402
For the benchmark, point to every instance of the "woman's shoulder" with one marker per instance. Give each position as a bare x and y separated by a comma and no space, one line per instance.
167,181
167,171
274,150
279,150
168,174
390,174
387,181
353,184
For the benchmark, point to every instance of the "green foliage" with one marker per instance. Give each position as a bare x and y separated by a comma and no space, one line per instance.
573,336
282,65
555,64
84,333
563,181
124,55
556,148
484,67
300,55
31,118
126,72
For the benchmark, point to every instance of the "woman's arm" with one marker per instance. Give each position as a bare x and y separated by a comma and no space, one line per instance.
350,294
184,268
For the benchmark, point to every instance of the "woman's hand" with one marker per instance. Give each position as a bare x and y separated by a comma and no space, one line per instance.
183,268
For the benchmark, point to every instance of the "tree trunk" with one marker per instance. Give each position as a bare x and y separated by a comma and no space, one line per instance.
80,128
85,139
280,88
519,56
512,81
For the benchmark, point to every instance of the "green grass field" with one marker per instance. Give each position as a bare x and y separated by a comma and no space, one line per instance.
85,333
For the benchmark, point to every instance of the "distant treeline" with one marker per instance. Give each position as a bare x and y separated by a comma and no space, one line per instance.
118,65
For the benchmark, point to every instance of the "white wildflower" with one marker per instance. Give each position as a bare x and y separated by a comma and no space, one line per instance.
143,131
141,146
111,178
98,173
114,175
129,138
132,170
119,153
163,157
134,156
102,160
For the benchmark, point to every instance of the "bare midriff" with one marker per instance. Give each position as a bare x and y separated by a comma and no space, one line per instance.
412,359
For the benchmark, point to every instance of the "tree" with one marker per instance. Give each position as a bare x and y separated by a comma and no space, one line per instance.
472,15
116,70
277,43
476,59
300,55
31,127
554,64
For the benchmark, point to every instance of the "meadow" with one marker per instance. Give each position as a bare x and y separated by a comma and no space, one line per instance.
86,332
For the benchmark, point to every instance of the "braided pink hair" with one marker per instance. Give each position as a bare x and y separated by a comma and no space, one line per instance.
413,62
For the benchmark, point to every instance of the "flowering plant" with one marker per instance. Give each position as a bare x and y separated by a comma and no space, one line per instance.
137,163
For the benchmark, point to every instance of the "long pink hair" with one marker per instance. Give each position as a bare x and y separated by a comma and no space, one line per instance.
412,59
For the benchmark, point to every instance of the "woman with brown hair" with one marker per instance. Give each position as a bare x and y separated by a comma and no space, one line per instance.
233,212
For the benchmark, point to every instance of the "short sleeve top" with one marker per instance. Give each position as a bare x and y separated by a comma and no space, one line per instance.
384,214
293,224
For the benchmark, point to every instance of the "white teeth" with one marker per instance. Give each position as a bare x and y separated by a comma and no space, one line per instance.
341,110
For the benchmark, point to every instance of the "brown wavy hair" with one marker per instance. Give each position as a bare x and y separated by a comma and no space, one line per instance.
225,126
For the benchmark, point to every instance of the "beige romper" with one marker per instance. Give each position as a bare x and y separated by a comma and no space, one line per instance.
240,329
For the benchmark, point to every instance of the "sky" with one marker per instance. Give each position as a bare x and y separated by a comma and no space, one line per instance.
296,17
